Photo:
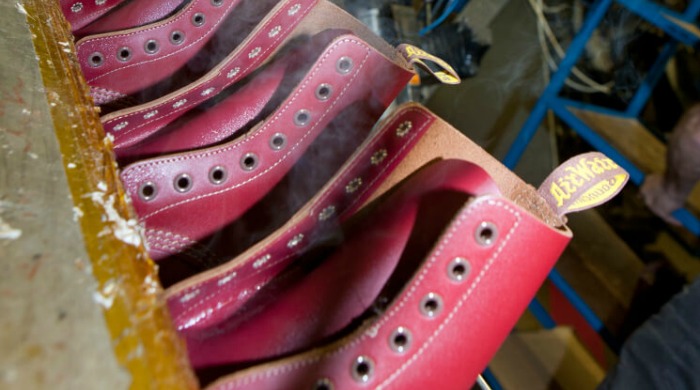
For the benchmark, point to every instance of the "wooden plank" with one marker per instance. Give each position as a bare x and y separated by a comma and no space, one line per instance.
682,261
688,27
545,359
595,291
635,142
605,255
136,326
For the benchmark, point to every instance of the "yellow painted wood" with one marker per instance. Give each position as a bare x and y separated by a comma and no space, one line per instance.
143,337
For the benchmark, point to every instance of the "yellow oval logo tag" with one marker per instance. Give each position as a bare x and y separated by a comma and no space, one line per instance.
583,182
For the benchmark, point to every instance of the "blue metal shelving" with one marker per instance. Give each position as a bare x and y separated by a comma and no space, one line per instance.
681,28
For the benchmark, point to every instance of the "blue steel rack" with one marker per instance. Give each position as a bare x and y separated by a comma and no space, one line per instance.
681,28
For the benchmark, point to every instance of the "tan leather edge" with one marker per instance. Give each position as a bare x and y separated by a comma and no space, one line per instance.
442,141
144,339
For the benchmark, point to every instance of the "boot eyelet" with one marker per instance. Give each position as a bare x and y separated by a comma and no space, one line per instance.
404,128
183,183
295,241
400,340
96,59
344,65
302,118
327,213
458,269
431,305
151,46
486,234
362,369
177,37
278,141
148,191
217,175
249,161
198,19
323,92
323,384
217,3
124,54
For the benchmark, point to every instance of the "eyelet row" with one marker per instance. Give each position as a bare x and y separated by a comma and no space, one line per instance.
431,306
217,175
78,6
249,162
152,46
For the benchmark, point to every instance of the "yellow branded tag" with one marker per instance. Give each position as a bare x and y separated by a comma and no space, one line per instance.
419,57
600,191
583,182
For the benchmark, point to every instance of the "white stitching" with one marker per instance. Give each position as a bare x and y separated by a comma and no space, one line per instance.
205,81
374,329
339,182
141,168
179,49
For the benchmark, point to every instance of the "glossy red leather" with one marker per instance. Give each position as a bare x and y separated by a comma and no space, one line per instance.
80,13
288,20
233,113
343,286
451,315
371,80
209,298
118,64
131,14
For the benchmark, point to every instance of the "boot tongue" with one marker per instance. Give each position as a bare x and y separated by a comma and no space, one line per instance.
583,182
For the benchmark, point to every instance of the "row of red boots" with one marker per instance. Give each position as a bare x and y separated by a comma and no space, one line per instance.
303,241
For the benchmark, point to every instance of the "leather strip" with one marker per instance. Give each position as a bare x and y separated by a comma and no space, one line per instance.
243,188
115,74
191,302
131,15
80,13
265,40
450,348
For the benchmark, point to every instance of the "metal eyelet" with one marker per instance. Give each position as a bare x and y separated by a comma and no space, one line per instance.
177,37
323,92
486,234
344,65
151,46
400,340
295,241
323,384
431,305
302,118
458,269
148,191
198,19
362,369
217,3
96,59
217,175
278,141
124,54
183,183
404,128
327,213
249,161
